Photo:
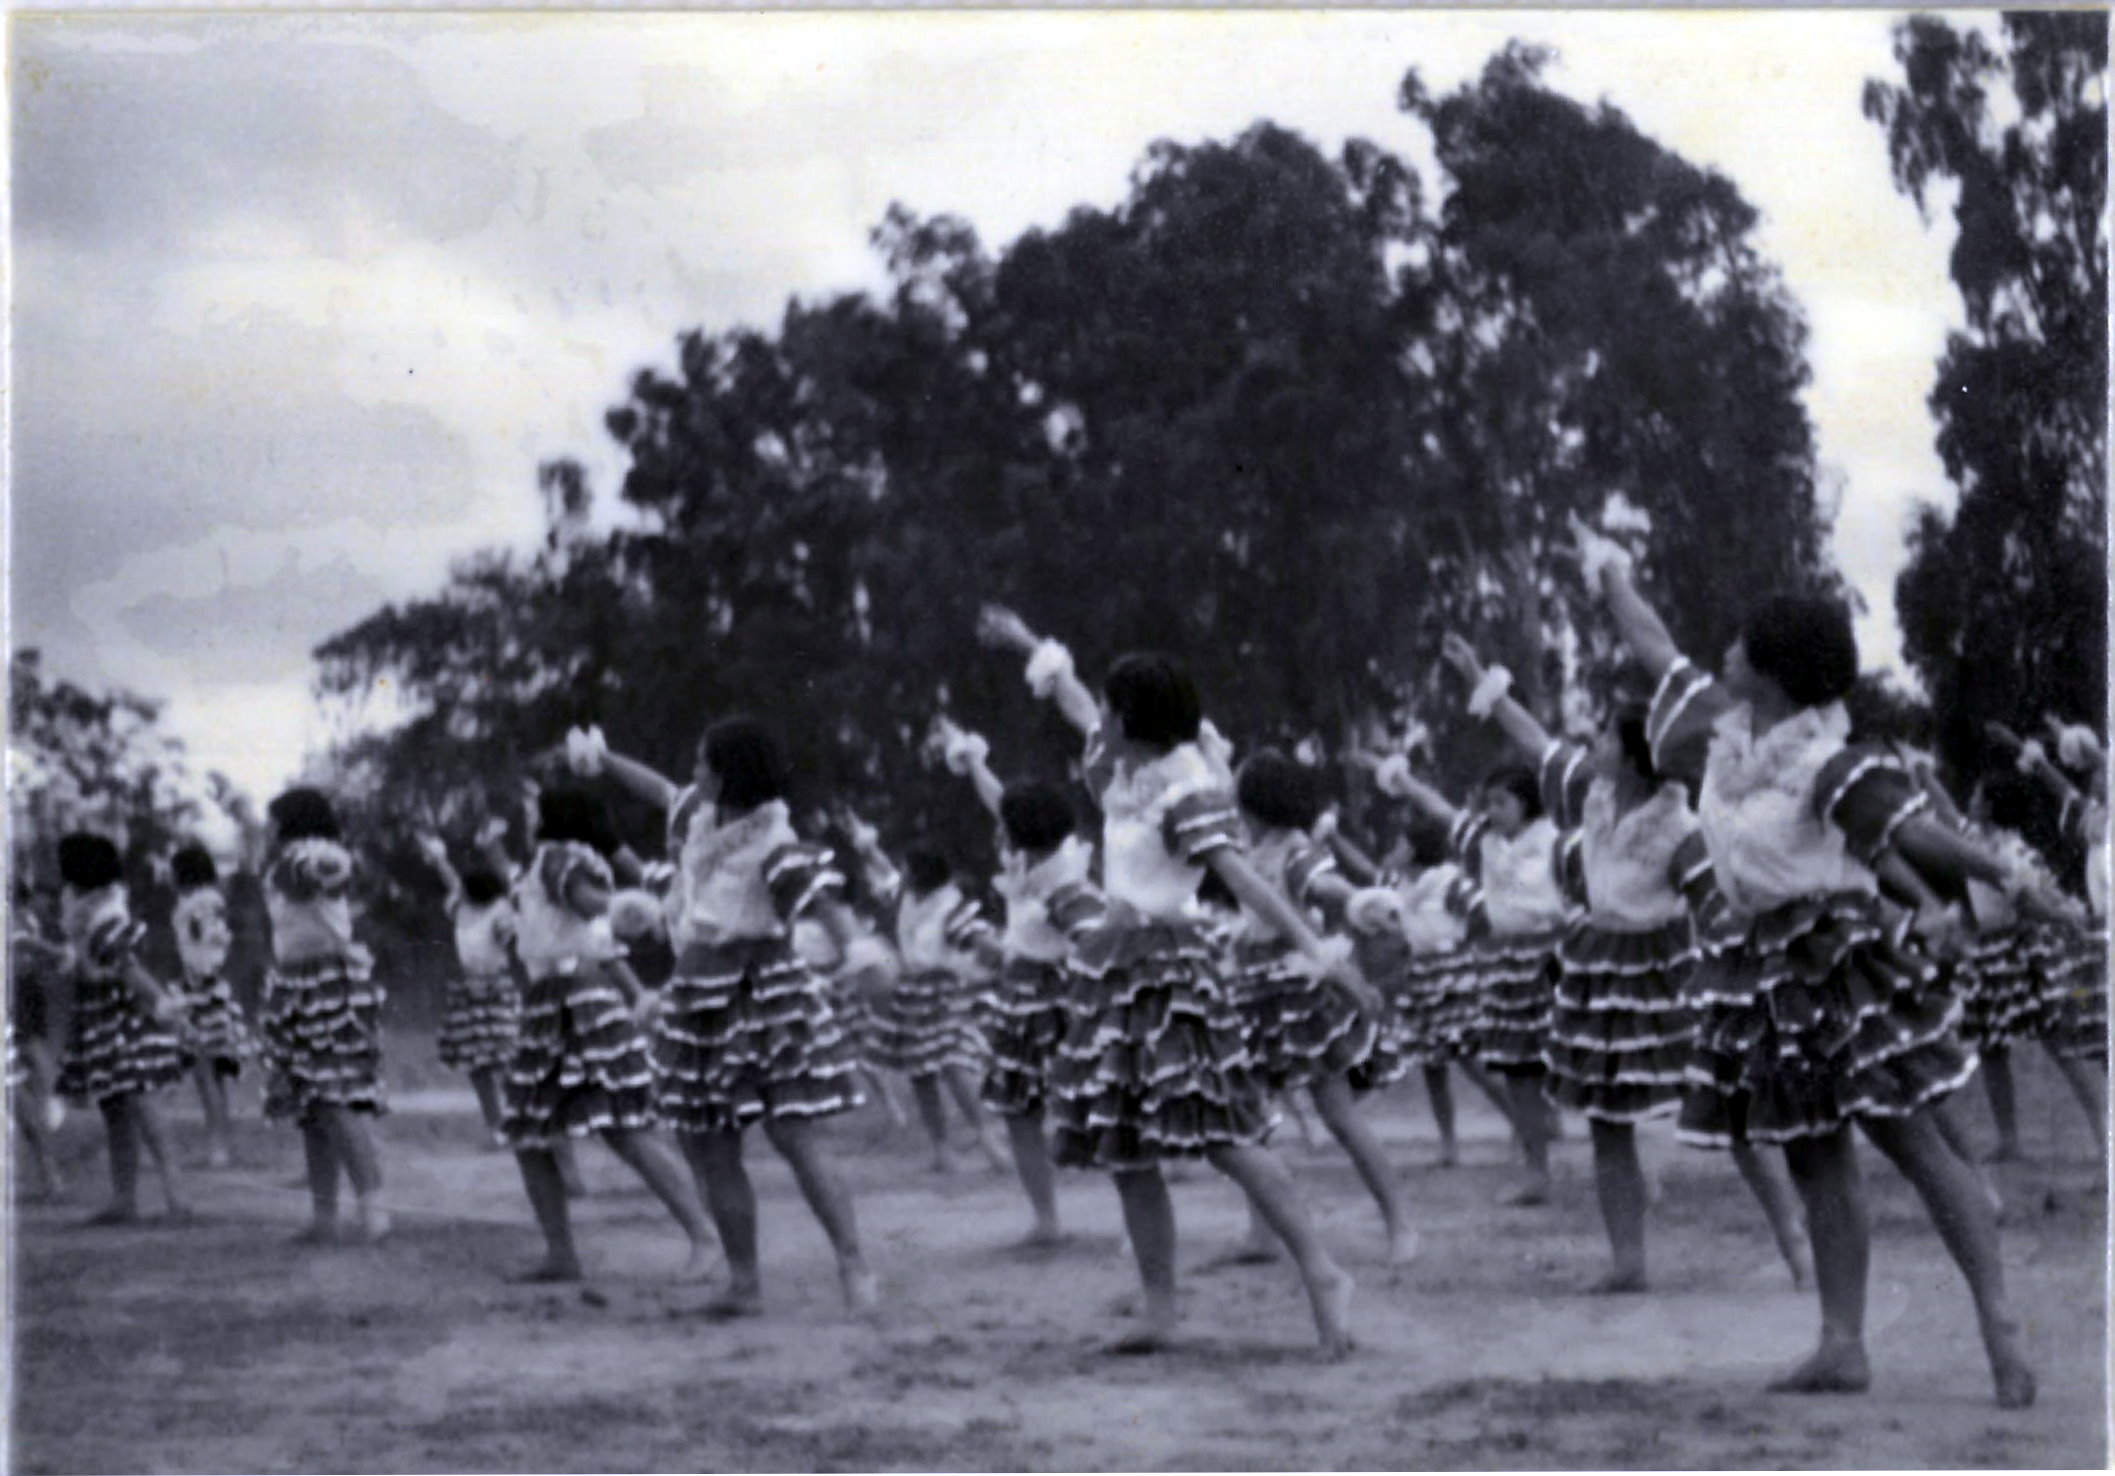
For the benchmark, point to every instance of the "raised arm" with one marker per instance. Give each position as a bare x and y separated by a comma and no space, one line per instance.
1050,670
883,879
1608,571
435,853
969,754
1392,775
1265,900
1488,698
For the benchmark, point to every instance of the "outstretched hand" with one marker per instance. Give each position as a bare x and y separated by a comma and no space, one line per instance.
999,626
1460,655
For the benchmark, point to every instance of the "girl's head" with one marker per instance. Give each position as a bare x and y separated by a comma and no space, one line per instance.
566,812
740,765
1795,647
89,863
1278,794
1037,817
192,868
1511,798
927,870
1622,747
303,813
1153,701
483,886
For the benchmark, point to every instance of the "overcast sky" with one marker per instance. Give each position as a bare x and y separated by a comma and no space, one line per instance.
300,302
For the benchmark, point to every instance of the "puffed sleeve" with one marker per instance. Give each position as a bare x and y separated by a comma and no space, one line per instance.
1689,869
1566,776
560,867
966,925
800,876
1678,725
112,942
1075,908
1305,869
1200,824
1465,840
1866,793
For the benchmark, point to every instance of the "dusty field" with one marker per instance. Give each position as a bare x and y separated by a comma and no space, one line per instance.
221,1348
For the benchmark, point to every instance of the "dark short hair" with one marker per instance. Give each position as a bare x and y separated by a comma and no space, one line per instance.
567,812
1628,720
89,862
927,869
1520,782
748,762
1154,700
1804,643
482,885
1037,816
304,813
192,867
1279,792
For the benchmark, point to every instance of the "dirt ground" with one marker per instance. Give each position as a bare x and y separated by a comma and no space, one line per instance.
219,1347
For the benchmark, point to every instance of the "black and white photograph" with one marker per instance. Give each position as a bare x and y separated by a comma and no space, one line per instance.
1057,740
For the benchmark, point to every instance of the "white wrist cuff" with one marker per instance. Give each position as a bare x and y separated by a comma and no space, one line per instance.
1050,663
1497,681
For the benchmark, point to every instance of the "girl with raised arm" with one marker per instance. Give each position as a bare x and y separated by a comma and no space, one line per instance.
1812,1018
1153,1065
1620,1024
1510,848
746,1035
1043,876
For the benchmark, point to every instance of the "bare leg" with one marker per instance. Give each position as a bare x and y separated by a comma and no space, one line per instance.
1619,1183
1271,1190
2004,1102
925,1090
213,1102
1149,1216
1031,1160
1483,1081
963,1088
884,1092
1301,1125
662,1170
567,1152
2087,1085
1963,1220
1773,1191
1532,1122
547,1197
28,1111
122,1140
485,1082
716,1162
1441,1091
1948,1118
321,1151
1825,1171
353,1137
147,1119
831,1204
1333,1100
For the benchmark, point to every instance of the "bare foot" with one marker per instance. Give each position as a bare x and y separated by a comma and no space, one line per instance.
1839,1368
1533,1192
375,1224
1330,1295
218,1156
549,1272
1449,1156
1618,1284
736,1301
179,1213
1145,1341
862,1290
702,1263
1403,1246
319,1233
1042,1237
2009,1367
112,1214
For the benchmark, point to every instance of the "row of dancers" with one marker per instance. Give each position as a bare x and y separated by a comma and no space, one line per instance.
1721,908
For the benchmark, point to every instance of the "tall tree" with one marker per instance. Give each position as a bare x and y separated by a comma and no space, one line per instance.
2003,604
